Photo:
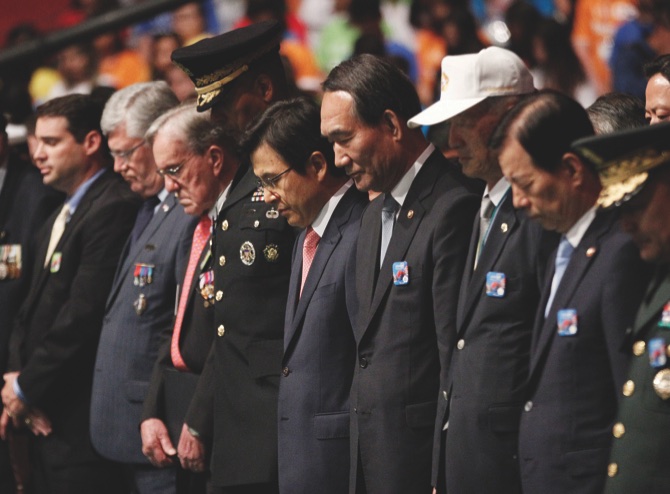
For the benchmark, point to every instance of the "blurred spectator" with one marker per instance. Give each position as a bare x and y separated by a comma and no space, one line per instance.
163,46
180,83
657,104
637,42
427,16
613,112
189,24
461,33
557,66
118,65
77,68
522,19
595,23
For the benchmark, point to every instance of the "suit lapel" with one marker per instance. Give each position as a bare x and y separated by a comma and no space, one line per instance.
495,243
577,268
294,289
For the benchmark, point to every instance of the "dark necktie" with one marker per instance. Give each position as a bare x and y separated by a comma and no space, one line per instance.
144,216
388,221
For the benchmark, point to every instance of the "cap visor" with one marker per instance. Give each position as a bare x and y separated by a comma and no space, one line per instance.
442,110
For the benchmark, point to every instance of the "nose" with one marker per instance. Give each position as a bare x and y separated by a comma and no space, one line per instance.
341,158
269,196
39,154
519,199
120,164
171,185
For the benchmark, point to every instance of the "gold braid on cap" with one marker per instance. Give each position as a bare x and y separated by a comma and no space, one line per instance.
218,84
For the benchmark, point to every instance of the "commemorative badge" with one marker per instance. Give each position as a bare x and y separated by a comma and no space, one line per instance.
272,214
495,284
247,253
665,316
55,262
662,384
10,261
567,322
271,253
657,356
140,305
400,273
258,195
144,274
206,286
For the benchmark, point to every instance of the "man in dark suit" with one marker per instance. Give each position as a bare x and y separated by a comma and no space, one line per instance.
238,75
54,341
20,219
407,296
209,155
140,307
296,166
635,171
482,399
594,283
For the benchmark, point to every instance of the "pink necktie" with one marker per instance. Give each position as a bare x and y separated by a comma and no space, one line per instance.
308,250
200,236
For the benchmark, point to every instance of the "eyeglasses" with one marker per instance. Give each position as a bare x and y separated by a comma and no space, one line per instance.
128,153
271,183
171,171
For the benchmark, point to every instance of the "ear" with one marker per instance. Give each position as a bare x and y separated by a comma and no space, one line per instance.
319,165
92,142
574,167
263,85
216,158
391,123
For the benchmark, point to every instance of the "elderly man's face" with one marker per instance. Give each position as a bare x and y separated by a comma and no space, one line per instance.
645,218
188,175
366,153
657,99
544,195
134,161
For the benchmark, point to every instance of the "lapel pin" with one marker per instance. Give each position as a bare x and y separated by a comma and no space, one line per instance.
410,214
165,208
503,228
591,251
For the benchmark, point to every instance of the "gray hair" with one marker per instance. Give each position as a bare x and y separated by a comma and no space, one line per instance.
613,112
137,106
197,129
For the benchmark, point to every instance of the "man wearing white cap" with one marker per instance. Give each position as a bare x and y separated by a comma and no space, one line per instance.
481,399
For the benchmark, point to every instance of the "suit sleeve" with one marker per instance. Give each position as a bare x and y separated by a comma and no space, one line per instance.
621,295
200,414
76,327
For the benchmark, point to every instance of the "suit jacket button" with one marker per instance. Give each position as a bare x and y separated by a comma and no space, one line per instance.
528,406
219,295
220,330
445,395
224,225
222,261
285,371
363,362
612,469
628,388
639,347
618,430
460,344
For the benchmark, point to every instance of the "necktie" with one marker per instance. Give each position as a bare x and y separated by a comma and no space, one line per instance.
308,250
388,220
57,232
200,236
485,213
562,259
143,218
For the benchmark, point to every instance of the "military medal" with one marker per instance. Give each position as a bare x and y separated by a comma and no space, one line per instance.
144,274
665,316
258,195
495,284
400,273
657,356
662,384
272,214
247,253
55,262
10,261
206,285
140,304
271,253
567,322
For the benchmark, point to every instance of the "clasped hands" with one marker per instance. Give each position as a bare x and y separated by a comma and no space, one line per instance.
18,413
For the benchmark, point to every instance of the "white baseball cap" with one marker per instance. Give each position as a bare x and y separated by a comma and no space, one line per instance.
470,79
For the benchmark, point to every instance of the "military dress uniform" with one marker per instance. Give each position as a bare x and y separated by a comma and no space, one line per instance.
252,260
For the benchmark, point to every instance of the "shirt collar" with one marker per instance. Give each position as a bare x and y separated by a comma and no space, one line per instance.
321,222
577,231
497,193
401,189
214,212
75,199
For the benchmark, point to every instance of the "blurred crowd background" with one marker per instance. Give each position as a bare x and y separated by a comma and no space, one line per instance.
583,48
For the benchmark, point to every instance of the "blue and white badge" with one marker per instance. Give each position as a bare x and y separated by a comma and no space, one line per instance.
665,316
657,356
495,284
400,273
567,322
